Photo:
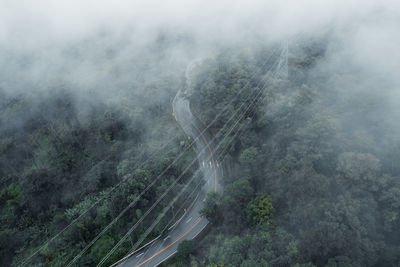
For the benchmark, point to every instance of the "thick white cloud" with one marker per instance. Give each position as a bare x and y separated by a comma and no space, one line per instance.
33,21
42,29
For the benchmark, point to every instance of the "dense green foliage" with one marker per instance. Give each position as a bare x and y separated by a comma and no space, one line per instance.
311,173
58,160
210,210
260,210
313,160
185,248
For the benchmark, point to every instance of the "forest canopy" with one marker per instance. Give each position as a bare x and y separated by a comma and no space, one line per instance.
300,98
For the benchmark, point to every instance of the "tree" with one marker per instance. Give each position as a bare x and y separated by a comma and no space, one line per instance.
249,156
185,248
358,166
40,190
260,210
101,247
390,200
235,199
210,207
360,169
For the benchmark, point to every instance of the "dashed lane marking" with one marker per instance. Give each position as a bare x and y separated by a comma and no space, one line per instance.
166,247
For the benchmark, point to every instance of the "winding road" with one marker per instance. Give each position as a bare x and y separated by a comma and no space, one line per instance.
191,223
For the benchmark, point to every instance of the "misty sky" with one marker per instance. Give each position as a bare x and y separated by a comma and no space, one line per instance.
37,38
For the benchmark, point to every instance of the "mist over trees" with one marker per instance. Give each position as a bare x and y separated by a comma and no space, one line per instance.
62,151
311,172
306,179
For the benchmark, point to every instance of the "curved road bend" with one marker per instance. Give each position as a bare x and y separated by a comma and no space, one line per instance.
191,223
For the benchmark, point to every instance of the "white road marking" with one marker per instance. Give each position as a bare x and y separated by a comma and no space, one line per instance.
196,198
210,163
145,253
172,254
158,248
203,164
189,220
199,231
139,255
177,221
166,238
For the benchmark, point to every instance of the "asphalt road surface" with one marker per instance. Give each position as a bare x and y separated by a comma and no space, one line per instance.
191,223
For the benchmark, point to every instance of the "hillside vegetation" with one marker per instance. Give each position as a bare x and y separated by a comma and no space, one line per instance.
312,178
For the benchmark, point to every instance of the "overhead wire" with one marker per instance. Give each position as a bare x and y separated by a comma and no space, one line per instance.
160,216
152,207
100,199
184,204
165,170
221,155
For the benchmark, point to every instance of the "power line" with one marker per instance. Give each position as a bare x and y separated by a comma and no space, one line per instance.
152,207
155,204
277,72
134,248
151,227
159,176
103,197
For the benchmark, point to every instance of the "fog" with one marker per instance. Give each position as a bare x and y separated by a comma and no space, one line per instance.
86,87
87,43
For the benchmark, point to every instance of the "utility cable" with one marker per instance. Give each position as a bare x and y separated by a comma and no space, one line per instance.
156,179
172,185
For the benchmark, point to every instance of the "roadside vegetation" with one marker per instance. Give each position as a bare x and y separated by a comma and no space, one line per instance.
311,173
311,180
58,159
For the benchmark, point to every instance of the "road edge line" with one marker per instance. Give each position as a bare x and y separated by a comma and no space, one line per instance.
130,254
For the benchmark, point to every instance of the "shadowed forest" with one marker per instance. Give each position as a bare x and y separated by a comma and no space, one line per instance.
89,142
